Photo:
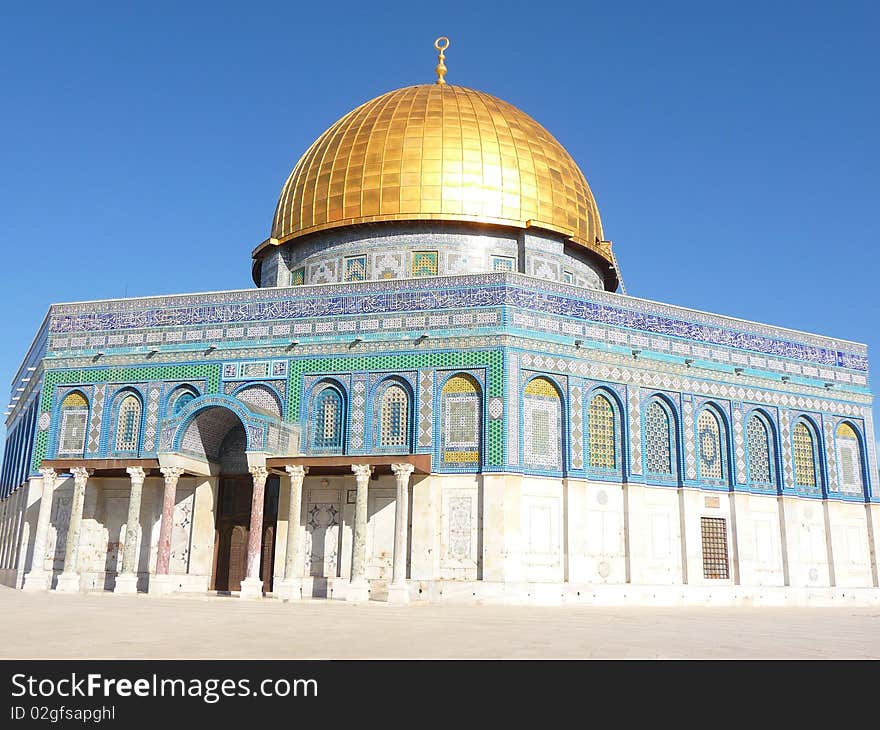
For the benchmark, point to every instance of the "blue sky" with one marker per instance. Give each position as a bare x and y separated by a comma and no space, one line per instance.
732,148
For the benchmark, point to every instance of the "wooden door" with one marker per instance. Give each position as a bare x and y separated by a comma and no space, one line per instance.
237,557
233,523
267,562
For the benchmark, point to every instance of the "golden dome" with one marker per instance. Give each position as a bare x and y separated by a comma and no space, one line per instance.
438,152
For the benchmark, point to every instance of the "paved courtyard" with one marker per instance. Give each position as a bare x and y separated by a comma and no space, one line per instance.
51,625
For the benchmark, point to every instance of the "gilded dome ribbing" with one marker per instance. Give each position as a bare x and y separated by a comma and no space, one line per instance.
438,152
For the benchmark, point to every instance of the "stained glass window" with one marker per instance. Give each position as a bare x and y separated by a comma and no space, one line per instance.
542,425
759,451
711,450
849,460
128,423
327,426
394,420
74,418
804,456
461,420
658,449
603,453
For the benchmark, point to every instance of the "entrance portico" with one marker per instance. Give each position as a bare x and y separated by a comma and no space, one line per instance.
365,469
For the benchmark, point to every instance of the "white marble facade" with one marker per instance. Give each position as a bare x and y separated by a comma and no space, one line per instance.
507,538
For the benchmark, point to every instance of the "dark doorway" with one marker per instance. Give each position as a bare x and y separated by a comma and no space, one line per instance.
232,528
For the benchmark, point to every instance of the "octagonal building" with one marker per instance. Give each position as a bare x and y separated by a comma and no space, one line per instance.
436,392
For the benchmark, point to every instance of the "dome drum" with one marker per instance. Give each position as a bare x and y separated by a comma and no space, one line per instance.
412,249
438,153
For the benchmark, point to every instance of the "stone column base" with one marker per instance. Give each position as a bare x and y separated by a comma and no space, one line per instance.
37,581
358,590
251,588
161,585
126,583
288,589
398,593
68,583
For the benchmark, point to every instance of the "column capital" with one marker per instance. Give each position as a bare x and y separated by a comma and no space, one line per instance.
136,473
171,473
81,474
49,473
259,473
362,471
296,471
402,471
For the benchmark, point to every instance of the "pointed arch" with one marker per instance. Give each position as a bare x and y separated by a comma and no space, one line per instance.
542,424
805,454
659,434
327,418
179,398
603,430
74,424
760,450
712,459
128,422
850,453
392,408
461,421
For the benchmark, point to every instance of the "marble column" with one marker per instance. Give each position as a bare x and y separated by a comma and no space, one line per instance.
358,588
126,581
252,585
68,581
39,579
290,587
162,581
398,591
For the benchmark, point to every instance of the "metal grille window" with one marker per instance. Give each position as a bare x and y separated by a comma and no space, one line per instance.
804,456
603,453
715,562
759,450
658,450
711,459
328,420
74,417
128,424
394,417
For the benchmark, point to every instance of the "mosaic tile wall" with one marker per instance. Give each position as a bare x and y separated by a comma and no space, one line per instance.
287,339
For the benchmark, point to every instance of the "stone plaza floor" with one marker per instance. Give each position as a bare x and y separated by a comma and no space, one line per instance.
107,626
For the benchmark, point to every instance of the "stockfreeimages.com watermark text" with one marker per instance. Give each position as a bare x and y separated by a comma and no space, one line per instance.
210,690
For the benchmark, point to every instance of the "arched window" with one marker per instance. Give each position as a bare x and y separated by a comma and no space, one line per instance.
804,445
601,433
658,439
128,423
759,450
181,400
849,460
711,445
542,425
327,422
74,420
394,418
461,420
